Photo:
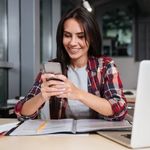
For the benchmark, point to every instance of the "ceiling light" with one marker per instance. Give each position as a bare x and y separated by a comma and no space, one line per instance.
87,5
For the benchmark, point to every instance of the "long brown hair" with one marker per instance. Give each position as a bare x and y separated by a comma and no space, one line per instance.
91,29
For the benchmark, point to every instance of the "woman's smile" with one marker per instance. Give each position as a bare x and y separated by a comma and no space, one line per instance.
74,50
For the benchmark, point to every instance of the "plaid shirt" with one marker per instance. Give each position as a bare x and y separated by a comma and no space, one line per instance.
103,81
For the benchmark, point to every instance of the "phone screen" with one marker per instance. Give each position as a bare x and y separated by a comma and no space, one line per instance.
52,67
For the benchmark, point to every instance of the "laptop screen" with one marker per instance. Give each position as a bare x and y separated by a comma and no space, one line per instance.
141,119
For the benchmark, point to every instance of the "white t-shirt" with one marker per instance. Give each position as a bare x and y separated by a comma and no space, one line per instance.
45,111
75,108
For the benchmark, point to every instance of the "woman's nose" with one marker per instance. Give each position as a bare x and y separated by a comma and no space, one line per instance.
73,41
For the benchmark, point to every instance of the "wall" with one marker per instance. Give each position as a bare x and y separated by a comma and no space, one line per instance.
128,69
30,43
13,48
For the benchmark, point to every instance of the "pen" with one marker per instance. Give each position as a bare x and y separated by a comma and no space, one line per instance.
42,126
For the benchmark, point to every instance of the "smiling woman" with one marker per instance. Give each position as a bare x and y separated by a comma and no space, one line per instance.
89,86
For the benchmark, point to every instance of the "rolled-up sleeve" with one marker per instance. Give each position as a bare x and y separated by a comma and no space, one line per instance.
113,92
32,92
18,109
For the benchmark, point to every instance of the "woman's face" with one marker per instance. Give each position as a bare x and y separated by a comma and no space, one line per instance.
74,40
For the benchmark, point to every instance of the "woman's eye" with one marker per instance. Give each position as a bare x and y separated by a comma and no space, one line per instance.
67,35
81,36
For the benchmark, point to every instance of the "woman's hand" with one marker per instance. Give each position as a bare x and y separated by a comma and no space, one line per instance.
58,85
70,90
51,86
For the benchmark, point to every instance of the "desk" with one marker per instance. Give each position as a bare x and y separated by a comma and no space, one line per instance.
58,142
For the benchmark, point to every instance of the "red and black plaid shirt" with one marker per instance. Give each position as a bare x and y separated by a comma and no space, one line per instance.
103,81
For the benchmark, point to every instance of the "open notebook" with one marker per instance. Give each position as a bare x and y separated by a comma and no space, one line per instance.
140,135
39,127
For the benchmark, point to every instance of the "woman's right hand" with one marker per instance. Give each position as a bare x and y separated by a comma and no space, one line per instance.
50,86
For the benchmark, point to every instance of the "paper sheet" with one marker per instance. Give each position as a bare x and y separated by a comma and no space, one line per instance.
8,126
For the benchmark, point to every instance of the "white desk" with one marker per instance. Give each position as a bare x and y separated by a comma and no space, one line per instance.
58,142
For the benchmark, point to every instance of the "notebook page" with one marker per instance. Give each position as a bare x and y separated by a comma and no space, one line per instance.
39,127
86,125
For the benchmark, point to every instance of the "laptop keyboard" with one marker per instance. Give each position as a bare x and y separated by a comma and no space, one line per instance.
127,136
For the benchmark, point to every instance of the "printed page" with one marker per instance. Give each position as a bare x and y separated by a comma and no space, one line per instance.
87,125
39,127
8,126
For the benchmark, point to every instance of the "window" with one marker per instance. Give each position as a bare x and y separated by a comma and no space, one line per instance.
117,33
3,52
46,29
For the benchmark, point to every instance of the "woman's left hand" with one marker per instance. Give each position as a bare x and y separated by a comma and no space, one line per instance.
71,91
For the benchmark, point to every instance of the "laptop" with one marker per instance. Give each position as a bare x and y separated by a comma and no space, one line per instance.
139,137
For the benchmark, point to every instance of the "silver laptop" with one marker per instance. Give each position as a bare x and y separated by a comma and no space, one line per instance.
140,135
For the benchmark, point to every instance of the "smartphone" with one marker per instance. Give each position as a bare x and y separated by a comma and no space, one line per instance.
52,67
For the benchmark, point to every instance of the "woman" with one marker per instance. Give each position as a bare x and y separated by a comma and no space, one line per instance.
90,85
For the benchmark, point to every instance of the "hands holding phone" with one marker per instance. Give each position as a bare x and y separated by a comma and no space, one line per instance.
59,86
56,84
